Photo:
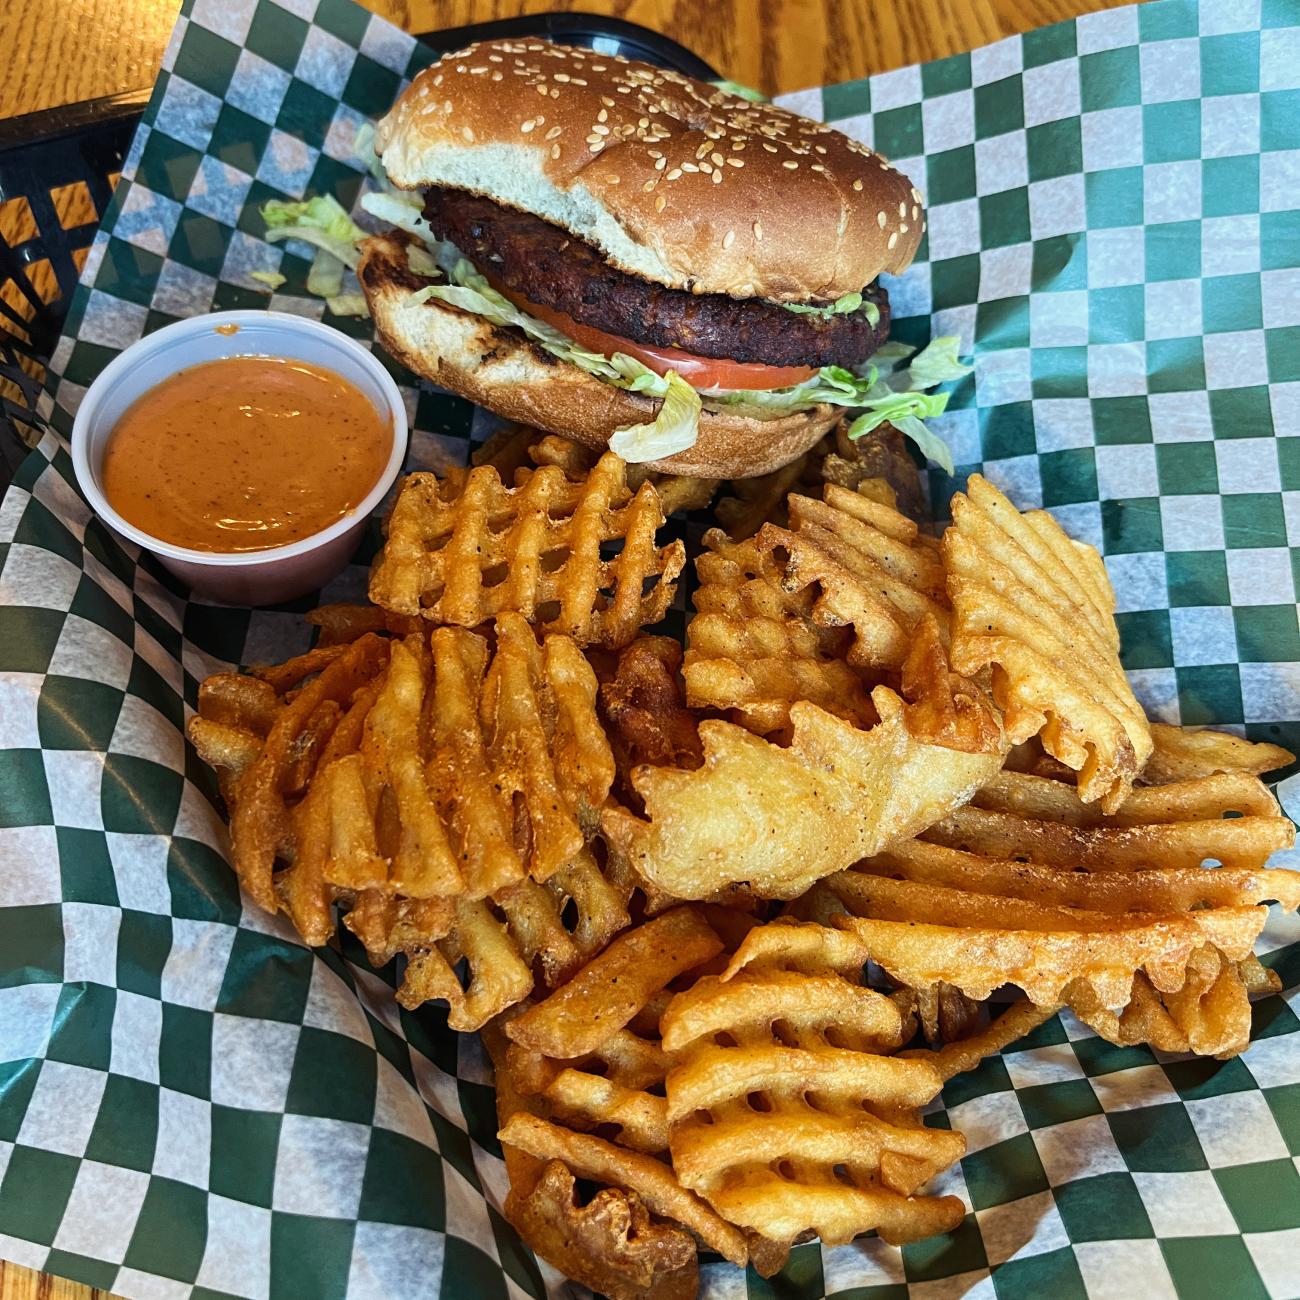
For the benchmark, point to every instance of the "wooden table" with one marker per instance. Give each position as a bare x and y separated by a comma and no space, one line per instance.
60,51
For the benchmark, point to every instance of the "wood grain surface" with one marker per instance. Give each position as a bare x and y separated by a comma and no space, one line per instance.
60,51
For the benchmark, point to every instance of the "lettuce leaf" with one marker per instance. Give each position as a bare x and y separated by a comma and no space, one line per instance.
842,306
348,304
673,429
400,209
321,222
272,279
325,279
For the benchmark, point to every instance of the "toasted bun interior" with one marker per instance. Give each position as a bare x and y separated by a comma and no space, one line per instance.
672,179
499,369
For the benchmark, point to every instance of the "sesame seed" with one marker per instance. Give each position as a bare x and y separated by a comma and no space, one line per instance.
615,180
771,148
735,162
446,106
717,178
716,159
758,232
706,168
467,133
474,72
660,163
594,139
595,147
902,209
603,115
916,212
437,81
857,185
577,81
553,132
605,99
555,94
527,126
561,76
790,165
728,239
660,202
902,229
649,185
881,218
892,240
494,58
496,76
555,151
675,173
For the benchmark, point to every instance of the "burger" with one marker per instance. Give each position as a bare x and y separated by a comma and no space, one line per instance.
629,257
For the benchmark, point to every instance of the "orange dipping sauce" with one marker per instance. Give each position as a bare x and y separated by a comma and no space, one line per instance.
244,454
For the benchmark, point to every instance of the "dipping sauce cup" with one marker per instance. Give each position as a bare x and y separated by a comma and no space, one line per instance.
259,577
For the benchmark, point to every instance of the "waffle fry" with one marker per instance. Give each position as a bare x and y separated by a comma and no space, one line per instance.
781,819
341,624
611,1243
1230,817
261,786
1208,1015
930,913
642,707
1040,608
467,549
783,1113
587,1070
872,568
676,491
1184,753
754,649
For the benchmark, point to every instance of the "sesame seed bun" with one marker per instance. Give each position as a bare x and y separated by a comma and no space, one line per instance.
672,179
502,370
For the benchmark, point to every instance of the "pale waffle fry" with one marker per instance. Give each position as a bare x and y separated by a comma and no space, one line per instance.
753,648
466,549
781,818
1040,609
786,1113
1209,1015
1182,753
1229,817
586,1071
871,567
1076,920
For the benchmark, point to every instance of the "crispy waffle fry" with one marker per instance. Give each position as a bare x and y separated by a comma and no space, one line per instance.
262,787
676,491
341,624
754,649
610,990
611,1243
966,1053
1040,608
588,1062
872,568
782,1112
641,705
783,818
929,913
1184,753
1230,817
467,549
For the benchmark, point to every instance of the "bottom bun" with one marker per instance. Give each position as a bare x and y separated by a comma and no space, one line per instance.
500,369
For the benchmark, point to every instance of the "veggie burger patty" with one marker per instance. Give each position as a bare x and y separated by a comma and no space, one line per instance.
549,266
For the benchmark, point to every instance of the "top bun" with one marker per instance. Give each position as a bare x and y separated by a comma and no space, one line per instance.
672,179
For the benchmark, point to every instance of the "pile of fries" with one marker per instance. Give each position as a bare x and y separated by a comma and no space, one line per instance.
657,882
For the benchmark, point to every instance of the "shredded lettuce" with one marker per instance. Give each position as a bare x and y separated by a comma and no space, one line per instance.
272,279
348,304
673,429
421,261
320,221
399,209
325,279
890,390
842,306
363,150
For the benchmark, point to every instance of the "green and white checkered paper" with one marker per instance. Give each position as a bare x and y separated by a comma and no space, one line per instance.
191,1103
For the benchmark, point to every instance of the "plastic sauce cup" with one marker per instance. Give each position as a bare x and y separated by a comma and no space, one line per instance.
248,577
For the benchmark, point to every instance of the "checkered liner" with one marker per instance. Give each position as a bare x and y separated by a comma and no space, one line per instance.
193,1103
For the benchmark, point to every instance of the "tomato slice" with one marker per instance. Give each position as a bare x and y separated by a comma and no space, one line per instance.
699,372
